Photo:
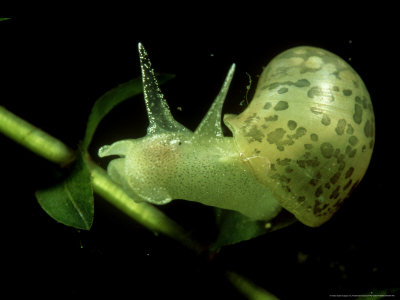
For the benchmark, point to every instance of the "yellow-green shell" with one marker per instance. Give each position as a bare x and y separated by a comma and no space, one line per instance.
308,133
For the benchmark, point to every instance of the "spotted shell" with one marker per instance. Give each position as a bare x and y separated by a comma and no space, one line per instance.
308,133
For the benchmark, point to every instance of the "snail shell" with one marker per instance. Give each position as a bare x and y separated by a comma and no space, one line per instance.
303,143
312,119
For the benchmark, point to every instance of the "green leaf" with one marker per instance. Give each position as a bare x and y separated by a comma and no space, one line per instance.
4,19
110,99
71,201
235,227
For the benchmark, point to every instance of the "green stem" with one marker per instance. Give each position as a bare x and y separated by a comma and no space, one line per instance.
54,150
34,139
248,288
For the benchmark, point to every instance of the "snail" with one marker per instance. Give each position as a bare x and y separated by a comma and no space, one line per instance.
302,144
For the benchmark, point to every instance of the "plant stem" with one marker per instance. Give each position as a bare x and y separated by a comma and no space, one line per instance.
248,288
34,139
54,150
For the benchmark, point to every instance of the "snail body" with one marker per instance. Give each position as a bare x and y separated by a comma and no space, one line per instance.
303,143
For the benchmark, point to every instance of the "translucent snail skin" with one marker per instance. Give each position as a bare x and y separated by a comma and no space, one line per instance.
302,144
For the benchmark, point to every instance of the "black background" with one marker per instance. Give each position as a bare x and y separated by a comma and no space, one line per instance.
56,63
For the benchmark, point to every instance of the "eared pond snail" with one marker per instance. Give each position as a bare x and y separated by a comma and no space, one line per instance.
302,144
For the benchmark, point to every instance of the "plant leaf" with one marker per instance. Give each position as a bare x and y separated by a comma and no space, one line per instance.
71,201
235,227
4,19
110,99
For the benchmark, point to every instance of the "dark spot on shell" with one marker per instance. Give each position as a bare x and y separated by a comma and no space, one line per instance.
336,153
336,74
267,105
318,208
314,181
357,116
349,172
327,150
301,131
302,83
347,92
348,149
271,118
335,89
283,90
365,102
313,91
368,129
352,153
271,86
292,124
340,127
325,120
308,162
301,163
340,157
253,118
353,140
276,135
308,146
314,137
319,191
283,162
281,105
254,134
347,185
335,194
350,129
335,177
315,110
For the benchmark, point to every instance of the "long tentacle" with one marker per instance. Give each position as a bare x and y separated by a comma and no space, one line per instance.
211,123
160,117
